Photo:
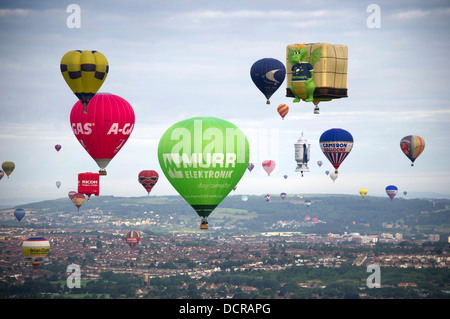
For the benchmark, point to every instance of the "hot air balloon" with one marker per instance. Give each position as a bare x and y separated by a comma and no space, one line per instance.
267,197
104,130
19,213
268,166
84,72
282,109
148,179
203,158
336,144
8,167
2,173
405,192
319,163
283,196
327,172
315,220
333,176
391,191
58,184
89,184
302,155
35,249
268,74
132,239
250,166
307,218
412,146
57,147
285,176
71,193
78,199
363,192
307,203
244,198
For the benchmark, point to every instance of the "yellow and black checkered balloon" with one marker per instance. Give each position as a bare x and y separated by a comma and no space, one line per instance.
84,71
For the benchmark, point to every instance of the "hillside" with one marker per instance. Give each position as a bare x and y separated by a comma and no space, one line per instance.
334,213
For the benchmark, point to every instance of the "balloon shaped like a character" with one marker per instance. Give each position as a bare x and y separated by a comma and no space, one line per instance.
148,179
105,129
268,74
203,158
84,72
336,144
412,146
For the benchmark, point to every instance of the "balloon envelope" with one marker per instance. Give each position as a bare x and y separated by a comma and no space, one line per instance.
282,109
148,179
283,196
78,199
58,184
104,130
8,167
391,191
132,239
250,166
268,74
336,144
244,198
19,213
412,146
57,147
203,158
363,192
2,173
35,249
268,166
84,72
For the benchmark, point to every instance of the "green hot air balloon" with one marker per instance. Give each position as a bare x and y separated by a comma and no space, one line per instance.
203,158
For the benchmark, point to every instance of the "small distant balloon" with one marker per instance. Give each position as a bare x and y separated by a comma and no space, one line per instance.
71,193
405,192
19,213
285,176
57,147
148,179
412,146
2,173
268,74
132,239
327,172
333,176
363,192
8,167
58,184
244,198
78,199
283,196
307,203
319,163
283,109
250,166
267,197
268,166
391,191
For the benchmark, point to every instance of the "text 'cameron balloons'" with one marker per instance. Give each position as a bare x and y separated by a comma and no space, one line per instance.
268,74
203,158
132,239
89,184
391,191
412,146
84,72
35,249
148,179
268,166
19,213
104,130
282,109
336,144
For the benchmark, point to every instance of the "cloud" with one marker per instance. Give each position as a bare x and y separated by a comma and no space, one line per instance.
14,12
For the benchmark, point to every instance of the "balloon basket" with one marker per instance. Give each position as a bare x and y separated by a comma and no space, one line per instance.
102,172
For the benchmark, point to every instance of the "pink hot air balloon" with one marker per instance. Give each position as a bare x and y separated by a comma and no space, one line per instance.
268,166
105,128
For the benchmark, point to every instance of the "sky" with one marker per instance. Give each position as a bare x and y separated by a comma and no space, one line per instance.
173,60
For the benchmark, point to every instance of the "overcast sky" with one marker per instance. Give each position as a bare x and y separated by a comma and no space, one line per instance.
172,60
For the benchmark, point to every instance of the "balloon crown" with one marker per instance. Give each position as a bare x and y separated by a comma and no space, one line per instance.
299,46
